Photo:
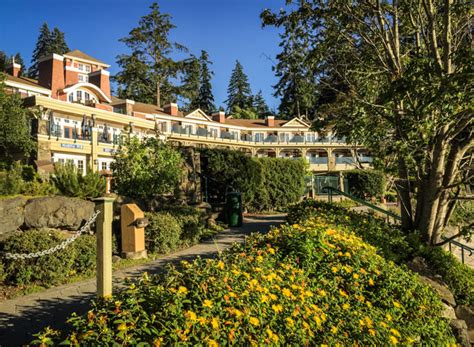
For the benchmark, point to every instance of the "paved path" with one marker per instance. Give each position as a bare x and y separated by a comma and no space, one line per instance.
23,316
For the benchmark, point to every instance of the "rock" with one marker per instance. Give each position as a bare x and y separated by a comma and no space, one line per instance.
442,290
466,313
116,259
448,312
459,329
57,212
418,265
11,214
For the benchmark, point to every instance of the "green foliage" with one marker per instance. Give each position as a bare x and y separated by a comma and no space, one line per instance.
70,182
23,179
238,92
52,269
244,113
48,42
15,127
265,183
192,222
205,98
163,233
150,68
298,285
366,184
459,277
147,169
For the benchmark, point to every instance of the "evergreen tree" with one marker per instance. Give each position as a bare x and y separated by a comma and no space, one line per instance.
191,82
151,53
296,86
43,47
48,42
3,61
259,104
205,98
58,42
238,92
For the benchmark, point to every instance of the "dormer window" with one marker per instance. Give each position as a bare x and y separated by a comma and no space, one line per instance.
78,95
80,67
87,68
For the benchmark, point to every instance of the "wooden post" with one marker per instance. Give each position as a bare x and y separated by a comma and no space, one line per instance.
104,246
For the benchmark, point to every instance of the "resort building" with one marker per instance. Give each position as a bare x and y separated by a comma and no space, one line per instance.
80,121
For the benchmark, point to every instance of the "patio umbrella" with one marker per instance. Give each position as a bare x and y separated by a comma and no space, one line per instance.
105,134
51,123
84,127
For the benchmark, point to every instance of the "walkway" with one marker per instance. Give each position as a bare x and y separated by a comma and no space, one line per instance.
24,316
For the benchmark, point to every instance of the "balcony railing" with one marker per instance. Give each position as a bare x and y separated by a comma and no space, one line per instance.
345,160
318,160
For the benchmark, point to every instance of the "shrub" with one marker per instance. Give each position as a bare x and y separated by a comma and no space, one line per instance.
11,181
23,179
459,277
265,183
145,169
366,184
163,233
70,182
298,285
48,270
192,222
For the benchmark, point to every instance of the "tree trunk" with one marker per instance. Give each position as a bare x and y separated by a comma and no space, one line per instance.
403,189
158,94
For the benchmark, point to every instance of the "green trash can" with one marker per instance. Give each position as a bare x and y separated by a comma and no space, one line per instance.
234,209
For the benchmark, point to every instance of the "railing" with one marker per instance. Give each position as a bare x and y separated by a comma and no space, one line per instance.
331,191
318,160
344,160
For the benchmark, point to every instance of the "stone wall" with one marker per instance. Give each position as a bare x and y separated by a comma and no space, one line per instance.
44,212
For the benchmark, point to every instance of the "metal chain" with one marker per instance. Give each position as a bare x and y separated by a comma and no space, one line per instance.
62,245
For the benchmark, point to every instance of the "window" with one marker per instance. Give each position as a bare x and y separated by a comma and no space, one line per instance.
80,67
284,137
79,95
259,137
61,160
83,78
67,132
88,68
80,166
87,96
104,165
71,97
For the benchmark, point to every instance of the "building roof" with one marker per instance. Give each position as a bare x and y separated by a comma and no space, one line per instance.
151,109
25,80
81,55
254,123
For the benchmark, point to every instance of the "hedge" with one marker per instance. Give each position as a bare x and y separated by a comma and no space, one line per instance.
392,244
366,184
305,284
265,183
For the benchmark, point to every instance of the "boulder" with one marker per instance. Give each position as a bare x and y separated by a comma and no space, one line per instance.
11,214
459,329
466,313
57,212
442,289
419,265
448,312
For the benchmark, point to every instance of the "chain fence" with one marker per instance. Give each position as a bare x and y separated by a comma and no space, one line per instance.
61,246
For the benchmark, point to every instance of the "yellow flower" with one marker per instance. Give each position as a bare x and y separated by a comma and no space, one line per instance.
371,282
372,332
122,326
207,303
215,323
271,251
220,265
191,316
395,332
346,306
393,340
383,324
273,297
388,316
232,295
212,343
286,292
182,290
322,293
356,276
259,259
263,299
343,293
396,304
254,321
333,329
202,320
277,308
334,269
290,322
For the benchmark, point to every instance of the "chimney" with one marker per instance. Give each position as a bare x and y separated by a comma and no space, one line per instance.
13,69
51,73
171,109
219,116
101,78
129,106
270,121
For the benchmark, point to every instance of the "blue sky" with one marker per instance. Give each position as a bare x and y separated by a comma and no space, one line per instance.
227,29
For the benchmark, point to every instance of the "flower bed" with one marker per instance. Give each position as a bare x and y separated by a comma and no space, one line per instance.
301,284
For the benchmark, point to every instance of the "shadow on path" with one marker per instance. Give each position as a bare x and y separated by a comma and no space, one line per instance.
24,316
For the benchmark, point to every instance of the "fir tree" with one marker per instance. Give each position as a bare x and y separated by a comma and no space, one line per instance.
205,98
3,61
259,104
58,42
43,47
238,92
151,52
48,42
191,82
